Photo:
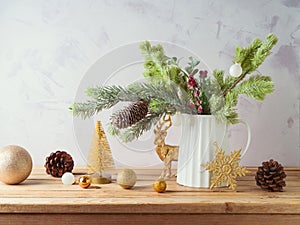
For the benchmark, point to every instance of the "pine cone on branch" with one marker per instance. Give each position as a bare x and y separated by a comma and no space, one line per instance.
270,176
58,163
131,114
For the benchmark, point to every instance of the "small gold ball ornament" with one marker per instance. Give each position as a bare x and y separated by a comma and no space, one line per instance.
15,164
126,178
160,186
85,181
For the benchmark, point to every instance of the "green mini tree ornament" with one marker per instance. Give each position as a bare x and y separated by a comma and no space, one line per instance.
171,88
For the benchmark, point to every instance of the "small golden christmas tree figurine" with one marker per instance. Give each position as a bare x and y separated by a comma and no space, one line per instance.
100,157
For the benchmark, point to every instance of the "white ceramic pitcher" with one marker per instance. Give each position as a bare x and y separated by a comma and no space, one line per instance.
199,133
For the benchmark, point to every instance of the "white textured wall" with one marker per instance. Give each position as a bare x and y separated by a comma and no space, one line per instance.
47,46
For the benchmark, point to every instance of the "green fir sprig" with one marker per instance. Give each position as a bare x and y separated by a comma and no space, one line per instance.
250,59
158,66
136,130
102,98
257,86
170,88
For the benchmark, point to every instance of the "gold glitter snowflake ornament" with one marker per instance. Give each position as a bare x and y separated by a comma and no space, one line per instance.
226,168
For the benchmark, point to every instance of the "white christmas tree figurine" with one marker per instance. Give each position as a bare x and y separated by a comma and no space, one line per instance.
100,157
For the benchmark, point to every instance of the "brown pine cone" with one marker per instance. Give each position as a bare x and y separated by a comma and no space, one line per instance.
270,176
131,114
58,163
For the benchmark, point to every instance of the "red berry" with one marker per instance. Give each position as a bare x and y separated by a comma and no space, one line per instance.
199,109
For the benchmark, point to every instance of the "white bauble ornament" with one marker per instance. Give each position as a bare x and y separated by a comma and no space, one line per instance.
68,178
15,164
235,70
176,120
126,178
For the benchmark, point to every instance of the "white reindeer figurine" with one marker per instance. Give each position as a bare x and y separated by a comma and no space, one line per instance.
167,153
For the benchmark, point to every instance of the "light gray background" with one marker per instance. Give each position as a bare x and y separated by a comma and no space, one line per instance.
47,46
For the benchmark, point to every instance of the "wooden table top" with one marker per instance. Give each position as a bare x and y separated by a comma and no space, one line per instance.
43,194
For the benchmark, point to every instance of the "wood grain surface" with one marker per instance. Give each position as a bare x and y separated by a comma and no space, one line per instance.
42,199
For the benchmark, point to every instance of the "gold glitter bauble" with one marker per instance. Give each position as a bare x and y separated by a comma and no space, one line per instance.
160,186
15,164
85,181
126,178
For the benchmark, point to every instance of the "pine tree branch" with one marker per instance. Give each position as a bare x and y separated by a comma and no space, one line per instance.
102,98
240,78
84,110
264,51
160,66
155,60
219,77
246,54
107,97
159,90
136,130
256,87
252,57
166,89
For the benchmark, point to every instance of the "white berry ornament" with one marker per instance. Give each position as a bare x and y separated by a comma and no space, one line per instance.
68,178
235,70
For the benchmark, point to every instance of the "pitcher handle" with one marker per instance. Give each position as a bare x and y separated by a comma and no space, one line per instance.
248,138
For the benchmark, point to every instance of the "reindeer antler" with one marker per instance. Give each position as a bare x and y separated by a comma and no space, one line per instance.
163,120
159,131
167,118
